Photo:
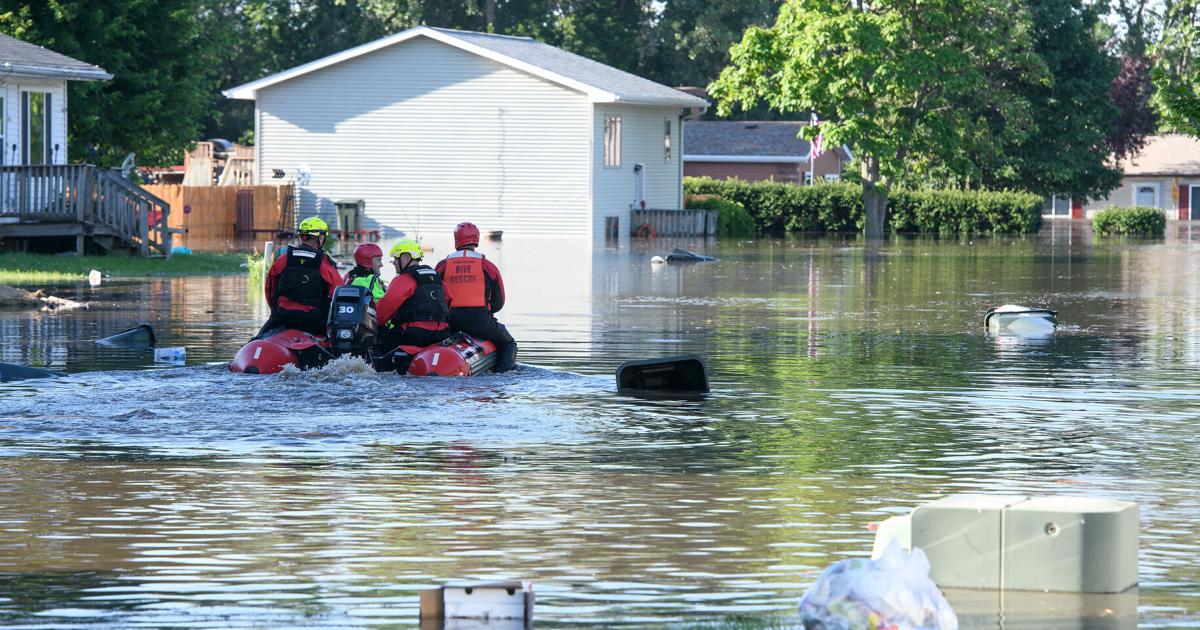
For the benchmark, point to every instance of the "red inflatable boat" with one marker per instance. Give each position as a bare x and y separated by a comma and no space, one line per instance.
460,355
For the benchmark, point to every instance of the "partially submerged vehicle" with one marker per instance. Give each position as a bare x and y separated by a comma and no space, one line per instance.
351,331
1011,319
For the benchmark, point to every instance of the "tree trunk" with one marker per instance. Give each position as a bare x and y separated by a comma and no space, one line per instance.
874,199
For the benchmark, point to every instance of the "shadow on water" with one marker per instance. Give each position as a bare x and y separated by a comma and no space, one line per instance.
848,386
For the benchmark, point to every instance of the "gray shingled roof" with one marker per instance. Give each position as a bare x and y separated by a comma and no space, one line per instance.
743,138
33,60
629,87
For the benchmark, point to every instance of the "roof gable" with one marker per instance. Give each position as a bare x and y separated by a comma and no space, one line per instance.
600,83
23,58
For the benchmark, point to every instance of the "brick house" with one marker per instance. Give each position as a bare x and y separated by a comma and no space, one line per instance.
756,150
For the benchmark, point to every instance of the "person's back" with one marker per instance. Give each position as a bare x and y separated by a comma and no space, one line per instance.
413,312
300,283
474,293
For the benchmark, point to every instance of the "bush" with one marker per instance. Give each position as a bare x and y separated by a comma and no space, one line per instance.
732,218
778,207
1138,220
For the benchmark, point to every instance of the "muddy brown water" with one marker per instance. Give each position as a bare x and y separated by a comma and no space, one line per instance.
849,385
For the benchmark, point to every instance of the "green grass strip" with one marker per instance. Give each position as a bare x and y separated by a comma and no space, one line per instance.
26,269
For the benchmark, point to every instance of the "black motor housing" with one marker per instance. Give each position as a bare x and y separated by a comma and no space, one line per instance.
351,321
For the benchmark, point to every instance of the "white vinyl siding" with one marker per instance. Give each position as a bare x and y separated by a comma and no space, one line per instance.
641,143
14,125
431,135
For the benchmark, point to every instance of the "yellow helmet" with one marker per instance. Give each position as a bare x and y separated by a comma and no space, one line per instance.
407,246
313,225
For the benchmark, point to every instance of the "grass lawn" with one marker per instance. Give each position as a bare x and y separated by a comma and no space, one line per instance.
33,269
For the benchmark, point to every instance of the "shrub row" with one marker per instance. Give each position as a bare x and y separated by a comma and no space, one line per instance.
1138,220
732,219
778,207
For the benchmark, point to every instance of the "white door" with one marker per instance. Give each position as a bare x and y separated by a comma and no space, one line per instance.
1145,195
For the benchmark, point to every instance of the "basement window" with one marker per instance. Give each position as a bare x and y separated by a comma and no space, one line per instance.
612,141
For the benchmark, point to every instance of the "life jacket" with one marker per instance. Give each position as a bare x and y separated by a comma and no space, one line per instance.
465,280
301,280
363,277
428,301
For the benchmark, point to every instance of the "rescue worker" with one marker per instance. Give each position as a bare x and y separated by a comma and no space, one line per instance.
300,284
413,311
368,262
475,293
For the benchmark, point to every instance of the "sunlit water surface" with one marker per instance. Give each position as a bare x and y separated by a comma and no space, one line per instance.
849,385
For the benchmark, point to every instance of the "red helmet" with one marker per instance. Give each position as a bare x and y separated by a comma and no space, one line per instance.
365,252
466,234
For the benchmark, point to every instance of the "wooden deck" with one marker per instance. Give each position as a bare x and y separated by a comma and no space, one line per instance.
82,201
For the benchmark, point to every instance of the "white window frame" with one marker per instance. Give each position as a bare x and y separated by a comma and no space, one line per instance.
611,136
832,177
1065,215
48,153
807,178
1157,193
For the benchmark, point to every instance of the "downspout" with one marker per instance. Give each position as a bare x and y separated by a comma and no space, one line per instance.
679,159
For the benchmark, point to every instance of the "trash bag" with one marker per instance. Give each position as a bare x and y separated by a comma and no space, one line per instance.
891,593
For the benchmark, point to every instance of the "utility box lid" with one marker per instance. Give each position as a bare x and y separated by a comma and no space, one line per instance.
1067,544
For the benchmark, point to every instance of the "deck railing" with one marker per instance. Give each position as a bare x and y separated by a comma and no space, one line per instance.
99,200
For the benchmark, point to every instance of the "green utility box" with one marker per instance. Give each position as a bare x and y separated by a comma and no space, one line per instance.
1068,544
350,216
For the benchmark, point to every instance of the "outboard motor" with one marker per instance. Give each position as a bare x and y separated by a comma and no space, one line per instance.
351,321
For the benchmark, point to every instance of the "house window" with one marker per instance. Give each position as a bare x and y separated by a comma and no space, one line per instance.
612,141
1145,195
667,140
832,177
1057,206
808,178
35,110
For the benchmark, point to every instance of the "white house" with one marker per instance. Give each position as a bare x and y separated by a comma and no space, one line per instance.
33,101
431,127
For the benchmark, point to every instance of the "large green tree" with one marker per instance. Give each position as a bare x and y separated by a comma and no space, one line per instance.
1176,72
161,86
1069,147
887,78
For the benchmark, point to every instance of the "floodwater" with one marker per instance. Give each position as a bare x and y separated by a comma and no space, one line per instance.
849,385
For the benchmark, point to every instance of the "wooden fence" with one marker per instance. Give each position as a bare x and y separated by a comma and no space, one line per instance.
667,222
228,213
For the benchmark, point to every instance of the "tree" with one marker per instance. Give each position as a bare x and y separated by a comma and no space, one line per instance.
887,76
161,86
1176,73
692,37
1080,117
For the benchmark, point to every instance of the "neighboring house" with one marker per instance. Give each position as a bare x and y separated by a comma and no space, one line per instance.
1164,174
757,150
432,126
33,99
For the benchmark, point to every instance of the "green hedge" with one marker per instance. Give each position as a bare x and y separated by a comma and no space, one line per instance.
732,218
1138,220
777,207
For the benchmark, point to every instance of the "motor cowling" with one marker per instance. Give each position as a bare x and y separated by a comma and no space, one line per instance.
351,328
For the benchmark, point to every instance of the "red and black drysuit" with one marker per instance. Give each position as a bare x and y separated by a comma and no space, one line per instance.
299,287
412,312
475,292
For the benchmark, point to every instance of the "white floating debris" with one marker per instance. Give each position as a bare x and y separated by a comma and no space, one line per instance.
1012,319
175,356
509,601
94,277
658,260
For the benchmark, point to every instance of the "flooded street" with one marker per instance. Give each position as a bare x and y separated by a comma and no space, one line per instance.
849,385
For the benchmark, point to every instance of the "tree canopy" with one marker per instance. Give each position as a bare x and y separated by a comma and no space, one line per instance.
891,78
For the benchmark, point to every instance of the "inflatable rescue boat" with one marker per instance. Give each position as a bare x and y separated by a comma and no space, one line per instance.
351,331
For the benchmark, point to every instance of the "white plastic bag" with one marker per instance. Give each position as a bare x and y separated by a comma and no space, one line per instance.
891,593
